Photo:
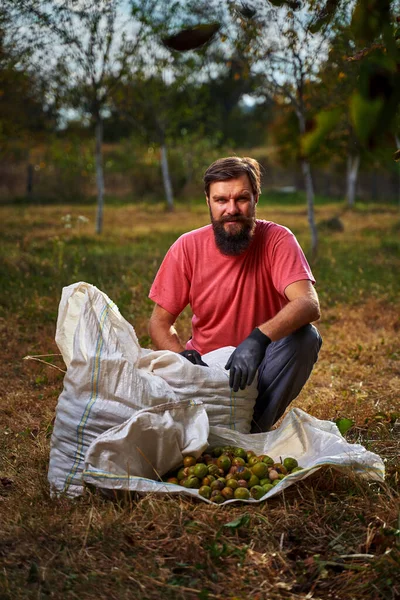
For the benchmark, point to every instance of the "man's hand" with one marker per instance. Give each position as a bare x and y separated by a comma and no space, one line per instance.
194,357
245,360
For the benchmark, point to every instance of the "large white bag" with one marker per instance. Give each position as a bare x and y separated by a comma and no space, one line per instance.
109,378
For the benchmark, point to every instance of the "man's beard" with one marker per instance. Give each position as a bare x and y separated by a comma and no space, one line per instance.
233,244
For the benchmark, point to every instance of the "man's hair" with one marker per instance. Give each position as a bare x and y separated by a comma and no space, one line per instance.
233,167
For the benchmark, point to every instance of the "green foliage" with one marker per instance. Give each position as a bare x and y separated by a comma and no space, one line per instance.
364,114
188,159
325,123
373,98
242,521
64,169
371,19
25,115
344,424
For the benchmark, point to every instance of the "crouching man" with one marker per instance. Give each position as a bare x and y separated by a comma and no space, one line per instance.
249,285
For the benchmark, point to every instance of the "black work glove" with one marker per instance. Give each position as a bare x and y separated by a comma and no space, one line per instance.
194,357
245,360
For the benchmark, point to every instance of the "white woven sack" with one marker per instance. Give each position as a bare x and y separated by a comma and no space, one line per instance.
109,378
313,442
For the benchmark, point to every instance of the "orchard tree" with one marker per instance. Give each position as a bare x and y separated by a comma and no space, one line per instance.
291,57
374,98
163,108
158,97
89,46
362,79
375,30
337,80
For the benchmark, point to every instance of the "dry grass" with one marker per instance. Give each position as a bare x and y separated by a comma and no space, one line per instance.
332,536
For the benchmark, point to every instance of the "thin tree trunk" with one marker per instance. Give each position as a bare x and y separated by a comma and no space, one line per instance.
353,163
99,173
306,169
166,177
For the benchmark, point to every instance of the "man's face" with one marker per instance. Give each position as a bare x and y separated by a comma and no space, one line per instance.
232,205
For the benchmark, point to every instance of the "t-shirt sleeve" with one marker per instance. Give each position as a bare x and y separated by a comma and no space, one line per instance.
288,262
171,285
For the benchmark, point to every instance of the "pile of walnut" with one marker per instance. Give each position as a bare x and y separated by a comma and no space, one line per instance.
226,472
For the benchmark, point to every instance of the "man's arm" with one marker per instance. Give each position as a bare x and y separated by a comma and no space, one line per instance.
162,331
302,308
165,337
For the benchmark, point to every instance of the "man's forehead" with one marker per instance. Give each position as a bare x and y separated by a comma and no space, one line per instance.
231,186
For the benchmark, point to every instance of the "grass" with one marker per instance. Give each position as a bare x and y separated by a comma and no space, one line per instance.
331,536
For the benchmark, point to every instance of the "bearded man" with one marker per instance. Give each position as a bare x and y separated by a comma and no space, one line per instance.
249,285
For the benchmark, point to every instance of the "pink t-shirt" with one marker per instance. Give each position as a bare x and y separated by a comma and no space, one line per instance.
229,295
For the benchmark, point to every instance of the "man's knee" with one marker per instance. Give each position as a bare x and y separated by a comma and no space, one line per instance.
306,339
299,348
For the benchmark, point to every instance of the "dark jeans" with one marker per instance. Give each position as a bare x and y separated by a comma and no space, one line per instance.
282,374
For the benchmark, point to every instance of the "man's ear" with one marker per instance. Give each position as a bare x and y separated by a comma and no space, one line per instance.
256,199
208,201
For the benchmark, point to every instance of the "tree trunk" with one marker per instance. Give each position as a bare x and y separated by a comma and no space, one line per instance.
353,163
166,177
306,170
99,173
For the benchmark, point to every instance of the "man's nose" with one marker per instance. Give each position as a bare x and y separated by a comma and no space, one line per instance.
232,207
